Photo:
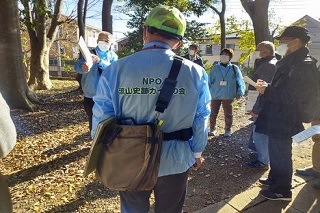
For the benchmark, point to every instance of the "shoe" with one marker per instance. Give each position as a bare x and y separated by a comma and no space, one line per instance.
227,134
256,165
276,196
253,155
265,181
316,184
308,171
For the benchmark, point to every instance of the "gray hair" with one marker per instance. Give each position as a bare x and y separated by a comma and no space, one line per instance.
268,45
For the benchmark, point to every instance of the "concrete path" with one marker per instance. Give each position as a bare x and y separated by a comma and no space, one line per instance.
305,199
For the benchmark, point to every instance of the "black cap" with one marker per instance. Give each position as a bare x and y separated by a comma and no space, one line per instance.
295,32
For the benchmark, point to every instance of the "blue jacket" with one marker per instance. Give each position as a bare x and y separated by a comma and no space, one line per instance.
233,78
89,80
130,86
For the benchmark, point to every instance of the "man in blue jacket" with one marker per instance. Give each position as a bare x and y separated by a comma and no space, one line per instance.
226,84
130,87
102,57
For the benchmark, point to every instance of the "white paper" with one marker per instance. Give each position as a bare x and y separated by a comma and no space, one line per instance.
249,81
251,99
307,133
85,52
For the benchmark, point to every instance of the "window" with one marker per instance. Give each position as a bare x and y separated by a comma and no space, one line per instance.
62,50
75,52
205,49
231,46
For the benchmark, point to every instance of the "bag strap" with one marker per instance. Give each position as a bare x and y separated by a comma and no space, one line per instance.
169,85
235,74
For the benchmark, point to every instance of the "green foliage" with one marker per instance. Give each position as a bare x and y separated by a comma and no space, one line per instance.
137,11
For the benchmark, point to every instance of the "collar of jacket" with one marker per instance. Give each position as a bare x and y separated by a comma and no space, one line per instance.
292,58
156,45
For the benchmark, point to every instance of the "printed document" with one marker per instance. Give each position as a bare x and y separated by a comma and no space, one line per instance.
307,133
85,52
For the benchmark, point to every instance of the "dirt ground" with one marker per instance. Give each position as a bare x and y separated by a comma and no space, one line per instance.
44,171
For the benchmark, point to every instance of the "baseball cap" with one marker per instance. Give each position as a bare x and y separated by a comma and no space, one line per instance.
167,19
295,32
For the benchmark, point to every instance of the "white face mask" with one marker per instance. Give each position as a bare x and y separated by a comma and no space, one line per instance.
256,55
104,46
224,59
282,49
191,52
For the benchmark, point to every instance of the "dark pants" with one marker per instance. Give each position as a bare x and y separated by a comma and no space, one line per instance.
88,105
5,198
169,193
280,153
227,108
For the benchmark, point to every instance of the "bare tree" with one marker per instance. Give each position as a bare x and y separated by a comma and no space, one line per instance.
82,14
106,16
258,12
221,15
42,27
13,85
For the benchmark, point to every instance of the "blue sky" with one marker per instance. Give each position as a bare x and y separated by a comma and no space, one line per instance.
287,10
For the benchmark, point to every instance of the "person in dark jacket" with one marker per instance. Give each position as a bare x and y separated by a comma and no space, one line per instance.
280,118
8,139
264,69
193,55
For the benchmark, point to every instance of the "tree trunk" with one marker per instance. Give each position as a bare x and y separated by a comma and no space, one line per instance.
39,67
13,85
106,16
81,19
258,12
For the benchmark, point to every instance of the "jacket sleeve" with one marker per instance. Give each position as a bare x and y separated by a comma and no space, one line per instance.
78,64
241,87
8,134
103,107
199,127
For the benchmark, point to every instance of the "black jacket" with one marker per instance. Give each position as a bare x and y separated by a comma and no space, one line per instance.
198,60
264,69
279,117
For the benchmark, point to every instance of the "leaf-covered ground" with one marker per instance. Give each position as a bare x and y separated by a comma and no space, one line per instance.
45,169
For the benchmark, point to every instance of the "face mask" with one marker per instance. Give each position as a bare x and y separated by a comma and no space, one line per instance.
224,59
256,55
104,46
191,52
282,49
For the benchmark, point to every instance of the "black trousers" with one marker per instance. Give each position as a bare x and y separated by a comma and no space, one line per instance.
169,193
280,153
88,105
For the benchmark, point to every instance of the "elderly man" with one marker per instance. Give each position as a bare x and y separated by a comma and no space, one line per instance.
264,69
281,115
143,73
102,57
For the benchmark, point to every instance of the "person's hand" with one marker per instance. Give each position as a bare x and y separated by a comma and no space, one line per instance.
85,67
238,97
253,114
197,164
261,86
95,58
